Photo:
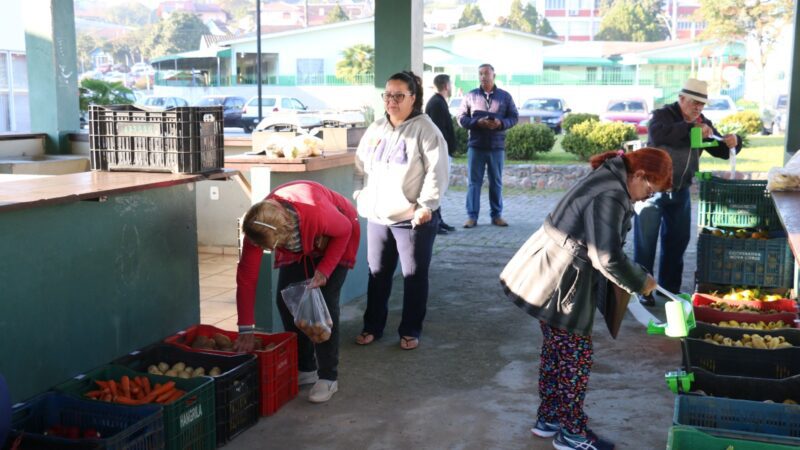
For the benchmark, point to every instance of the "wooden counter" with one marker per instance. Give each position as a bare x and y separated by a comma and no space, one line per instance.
788,206
52,190
310,164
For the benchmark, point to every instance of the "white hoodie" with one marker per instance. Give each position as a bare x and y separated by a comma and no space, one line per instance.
404,168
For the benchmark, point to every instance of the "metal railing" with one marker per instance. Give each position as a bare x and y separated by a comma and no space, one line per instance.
187,78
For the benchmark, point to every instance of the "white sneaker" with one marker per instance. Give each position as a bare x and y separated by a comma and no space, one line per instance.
307,378
322,391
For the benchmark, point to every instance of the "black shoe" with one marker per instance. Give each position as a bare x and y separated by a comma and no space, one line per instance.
647,300
447,227
441,231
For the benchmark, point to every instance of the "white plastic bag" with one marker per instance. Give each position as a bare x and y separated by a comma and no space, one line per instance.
309,310
786,178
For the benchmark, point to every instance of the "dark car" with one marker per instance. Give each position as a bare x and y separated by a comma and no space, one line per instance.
549,111
231,106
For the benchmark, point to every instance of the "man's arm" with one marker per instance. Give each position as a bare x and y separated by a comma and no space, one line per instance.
722,151
664,130
465,118
512,115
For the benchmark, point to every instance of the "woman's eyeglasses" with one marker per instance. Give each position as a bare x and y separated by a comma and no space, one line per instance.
397,98
651,191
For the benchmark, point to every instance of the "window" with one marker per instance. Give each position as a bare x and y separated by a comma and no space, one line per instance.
554,4
591,74
310,71
19,65
297,105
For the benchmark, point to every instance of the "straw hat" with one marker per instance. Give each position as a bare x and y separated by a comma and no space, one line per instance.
695,90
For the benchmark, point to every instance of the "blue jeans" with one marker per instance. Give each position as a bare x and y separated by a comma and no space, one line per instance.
490,161
671,214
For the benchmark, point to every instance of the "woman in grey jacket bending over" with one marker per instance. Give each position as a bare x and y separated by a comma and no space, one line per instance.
562,272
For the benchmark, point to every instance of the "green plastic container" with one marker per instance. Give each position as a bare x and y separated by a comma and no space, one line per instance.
735,203
744,262
189,422
689,438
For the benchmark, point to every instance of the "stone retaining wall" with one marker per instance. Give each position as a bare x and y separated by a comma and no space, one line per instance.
528,176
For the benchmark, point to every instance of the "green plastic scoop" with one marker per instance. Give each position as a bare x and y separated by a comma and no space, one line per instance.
680,316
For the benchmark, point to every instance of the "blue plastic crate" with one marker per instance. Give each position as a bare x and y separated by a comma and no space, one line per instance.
776,422
120,427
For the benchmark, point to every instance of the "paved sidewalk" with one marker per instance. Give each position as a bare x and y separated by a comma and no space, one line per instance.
472,382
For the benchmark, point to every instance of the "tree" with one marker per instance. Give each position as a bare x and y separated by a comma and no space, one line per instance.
132,13
99,92
356,60
471,16
85,44
336,14
633,20
181,32
737,20
237,8
527,19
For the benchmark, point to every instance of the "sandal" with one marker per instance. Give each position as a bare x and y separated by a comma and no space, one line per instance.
365,338
409,342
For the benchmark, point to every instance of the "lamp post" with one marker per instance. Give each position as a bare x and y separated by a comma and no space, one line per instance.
258,55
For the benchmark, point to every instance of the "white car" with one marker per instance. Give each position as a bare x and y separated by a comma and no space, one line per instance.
718,108
269,104
154,102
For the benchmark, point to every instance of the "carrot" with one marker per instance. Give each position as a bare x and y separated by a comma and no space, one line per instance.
107,397
146,385
160,389
176,394
139,394
94,394
102,384
125,383
163,397
127,401
113,386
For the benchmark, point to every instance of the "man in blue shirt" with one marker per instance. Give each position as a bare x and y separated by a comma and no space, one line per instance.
487,112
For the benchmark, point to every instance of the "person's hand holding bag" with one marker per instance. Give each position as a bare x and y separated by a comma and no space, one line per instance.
318,280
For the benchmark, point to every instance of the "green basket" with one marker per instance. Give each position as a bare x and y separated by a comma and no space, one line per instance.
735,203
189,422
688,438
744,262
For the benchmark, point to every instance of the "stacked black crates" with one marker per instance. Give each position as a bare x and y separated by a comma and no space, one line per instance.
178,140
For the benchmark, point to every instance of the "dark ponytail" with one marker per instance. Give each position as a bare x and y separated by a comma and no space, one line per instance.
414,84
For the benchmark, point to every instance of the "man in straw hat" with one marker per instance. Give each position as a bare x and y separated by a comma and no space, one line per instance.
669,214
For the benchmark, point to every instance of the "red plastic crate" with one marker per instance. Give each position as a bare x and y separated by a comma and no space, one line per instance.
783,305
711,315
277,367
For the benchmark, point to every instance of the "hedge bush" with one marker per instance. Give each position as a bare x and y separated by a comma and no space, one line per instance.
525,140
572,119
591,137
741,123
461,139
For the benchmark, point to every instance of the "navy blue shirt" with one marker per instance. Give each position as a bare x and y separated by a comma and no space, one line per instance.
477,104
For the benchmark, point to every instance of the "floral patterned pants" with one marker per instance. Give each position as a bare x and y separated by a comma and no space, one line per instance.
566,363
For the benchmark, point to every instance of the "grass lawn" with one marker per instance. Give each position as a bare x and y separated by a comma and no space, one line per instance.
763,153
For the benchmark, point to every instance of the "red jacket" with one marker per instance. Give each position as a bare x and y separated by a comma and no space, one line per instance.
320,212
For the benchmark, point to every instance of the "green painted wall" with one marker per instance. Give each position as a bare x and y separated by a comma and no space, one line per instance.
86,282
392,39
52,70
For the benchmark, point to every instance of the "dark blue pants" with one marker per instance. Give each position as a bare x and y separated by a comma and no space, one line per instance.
322,357
414,248
668,216
491,162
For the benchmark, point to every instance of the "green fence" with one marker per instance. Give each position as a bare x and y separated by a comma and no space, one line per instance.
189,78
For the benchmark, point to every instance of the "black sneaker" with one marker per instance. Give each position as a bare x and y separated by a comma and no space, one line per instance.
567,441
647,300
447,227
441,231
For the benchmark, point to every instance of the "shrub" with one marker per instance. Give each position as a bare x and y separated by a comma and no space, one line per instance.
572,119
461,138
590,138
741,123
525,140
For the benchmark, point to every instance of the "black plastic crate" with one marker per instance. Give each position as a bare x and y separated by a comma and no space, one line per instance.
186,139
120,427
741,361
750,262
235,389
745,388
735,203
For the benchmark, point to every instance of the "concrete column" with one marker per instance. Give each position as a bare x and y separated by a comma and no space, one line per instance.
398,38
52,70
793,110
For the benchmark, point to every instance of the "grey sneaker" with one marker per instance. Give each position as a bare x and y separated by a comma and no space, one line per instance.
322,391
567,441
307,378
544,429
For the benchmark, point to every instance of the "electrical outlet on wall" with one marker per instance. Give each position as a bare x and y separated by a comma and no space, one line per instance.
214,193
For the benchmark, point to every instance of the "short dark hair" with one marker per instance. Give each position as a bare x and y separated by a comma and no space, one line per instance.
486,65
441,81
414,84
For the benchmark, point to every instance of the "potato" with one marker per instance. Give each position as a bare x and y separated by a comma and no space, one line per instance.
189,369
163,367
215,371
154,370
184,374
198,372
179,366
171,373
222,340
200,342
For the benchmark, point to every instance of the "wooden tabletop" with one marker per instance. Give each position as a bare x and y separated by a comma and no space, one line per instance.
309,164
788,206
42,191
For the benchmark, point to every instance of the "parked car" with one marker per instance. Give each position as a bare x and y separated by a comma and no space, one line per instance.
231,108
780,120
163,102
632,111
718,108
269,104
546,110
455,105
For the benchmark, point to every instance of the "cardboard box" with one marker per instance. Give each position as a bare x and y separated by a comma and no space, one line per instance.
340,139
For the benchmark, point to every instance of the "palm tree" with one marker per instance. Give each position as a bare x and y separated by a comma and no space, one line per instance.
356,60
99,92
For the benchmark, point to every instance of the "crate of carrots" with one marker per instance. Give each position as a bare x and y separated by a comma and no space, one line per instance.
276,352
235,377
189,417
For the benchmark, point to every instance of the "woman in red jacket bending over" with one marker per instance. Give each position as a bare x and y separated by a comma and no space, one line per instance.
311,230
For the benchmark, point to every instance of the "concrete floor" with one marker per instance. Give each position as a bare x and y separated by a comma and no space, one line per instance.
472,382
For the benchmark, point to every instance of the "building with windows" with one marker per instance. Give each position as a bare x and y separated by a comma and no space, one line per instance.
14,105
